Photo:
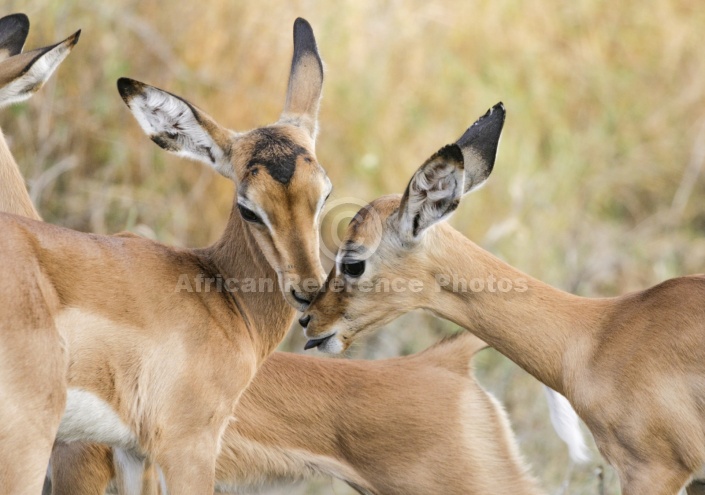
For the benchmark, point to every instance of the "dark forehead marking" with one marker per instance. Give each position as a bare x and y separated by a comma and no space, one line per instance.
359,219
276,152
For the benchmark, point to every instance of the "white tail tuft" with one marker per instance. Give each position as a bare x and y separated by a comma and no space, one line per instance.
567,425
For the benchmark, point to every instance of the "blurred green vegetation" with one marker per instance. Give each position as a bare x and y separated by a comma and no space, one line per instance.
597,187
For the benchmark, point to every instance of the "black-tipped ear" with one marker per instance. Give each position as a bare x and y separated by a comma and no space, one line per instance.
13,33
479,145
433,192
176,125
24,74
305,80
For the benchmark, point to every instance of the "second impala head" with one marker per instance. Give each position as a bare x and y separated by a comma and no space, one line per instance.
388,262
280,186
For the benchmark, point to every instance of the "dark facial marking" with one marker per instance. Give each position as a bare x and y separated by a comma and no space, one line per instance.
359,219
276,153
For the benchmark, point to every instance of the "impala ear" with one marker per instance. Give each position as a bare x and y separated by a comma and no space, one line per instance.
303,95
177,126
13,33
479,145
23,75
433,192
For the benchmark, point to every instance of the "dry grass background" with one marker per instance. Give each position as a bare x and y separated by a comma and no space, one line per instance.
597,189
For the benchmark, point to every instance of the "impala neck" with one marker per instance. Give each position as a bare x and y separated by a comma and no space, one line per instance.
544,330
13,191
237,256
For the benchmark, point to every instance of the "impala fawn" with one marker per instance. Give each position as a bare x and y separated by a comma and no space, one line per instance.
633,367
406,426
148,366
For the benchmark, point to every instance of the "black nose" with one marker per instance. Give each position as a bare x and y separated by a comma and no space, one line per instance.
316,343
300,299
303,321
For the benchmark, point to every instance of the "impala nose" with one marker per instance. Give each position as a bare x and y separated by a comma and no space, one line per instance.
316,343
304,320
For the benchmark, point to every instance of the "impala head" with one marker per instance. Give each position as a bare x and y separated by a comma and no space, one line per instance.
23,74
280,187
382,266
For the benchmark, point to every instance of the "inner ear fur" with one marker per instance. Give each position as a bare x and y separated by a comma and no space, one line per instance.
433,193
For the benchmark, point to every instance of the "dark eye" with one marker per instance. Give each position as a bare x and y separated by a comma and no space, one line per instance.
353,268
249,215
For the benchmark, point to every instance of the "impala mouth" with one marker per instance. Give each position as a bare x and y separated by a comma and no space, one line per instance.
317,342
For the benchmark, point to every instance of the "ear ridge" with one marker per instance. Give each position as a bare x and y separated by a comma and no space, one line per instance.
23,75
176,125
479,144
433,192
13,34
305,80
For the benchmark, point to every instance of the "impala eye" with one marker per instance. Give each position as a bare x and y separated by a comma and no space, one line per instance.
353,268
249,215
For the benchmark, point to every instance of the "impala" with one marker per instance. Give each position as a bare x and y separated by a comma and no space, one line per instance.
633,367
101,322
32,373
415,425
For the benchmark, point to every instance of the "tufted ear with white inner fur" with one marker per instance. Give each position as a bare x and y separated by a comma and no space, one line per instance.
24,74
433,192
178,126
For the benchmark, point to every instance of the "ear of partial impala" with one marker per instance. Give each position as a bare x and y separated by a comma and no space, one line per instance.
21,75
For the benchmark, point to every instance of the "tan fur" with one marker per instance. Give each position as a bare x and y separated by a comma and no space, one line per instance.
631,366
406,426
11,200
32,353
104,315
81,469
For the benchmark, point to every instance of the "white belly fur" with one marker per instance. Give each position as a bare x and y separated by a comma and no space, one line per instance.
90,419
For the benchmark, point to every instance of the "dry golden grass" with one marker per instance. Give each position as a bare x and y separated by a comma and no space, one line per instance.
597,188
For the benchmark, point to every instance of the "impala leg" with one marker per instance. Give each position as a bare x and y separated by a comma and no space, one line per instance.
150,479
654,480
33,391
696,487
81,469
189,465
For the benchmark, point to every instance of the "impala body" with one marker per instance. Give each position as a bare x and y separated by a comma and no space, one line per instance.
32,357
406,426
111,326
633,367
